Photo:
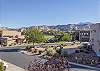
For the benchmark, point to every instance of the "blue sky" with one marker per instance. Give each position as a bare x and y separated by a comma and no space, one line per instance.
22,13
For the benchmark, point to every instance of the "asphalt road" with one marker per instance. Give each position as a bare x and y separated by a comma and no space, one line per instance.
14,56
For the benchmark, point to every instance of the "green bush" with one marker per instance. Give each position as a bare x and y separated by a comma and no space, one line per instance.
28,48
66,37
1,66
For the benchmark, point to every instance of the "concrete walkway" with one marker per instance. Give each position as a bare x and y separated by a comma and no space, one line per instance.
12,67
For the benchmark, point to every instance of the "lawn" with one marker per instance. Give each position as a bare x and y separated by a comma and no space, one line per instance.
60,42
48,36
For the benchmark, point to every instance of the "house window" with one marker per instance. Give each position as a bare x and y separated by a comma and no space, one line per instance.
87,34
82,33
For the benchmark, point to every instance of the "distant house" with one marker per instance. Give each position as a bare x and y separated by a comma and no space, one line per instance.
81,35
84,35
10,37
95,37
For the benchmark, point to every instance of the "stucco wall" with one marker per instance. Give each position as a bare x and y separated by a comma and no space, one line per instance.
95,37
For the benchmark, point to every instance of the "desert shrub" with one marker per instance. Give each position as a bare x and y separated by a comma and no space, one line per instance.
34,50
50,51
28,48
40,52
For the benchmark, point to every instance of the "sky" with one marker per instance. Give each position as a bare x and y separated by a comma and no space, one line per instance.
24,13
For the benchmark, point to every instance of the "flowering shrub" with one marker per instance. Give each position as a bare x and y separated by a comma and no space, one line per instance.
53,64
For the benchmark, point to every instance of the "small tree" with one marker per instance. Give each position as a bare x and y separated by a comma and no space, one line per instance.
66,37
34,35
62,36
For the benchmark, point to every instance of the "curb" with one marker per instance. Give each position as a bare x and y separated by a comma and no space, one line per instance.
86,66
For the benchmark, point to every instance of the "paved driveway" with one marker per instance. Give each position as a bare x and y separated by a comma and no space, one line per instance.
13,56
